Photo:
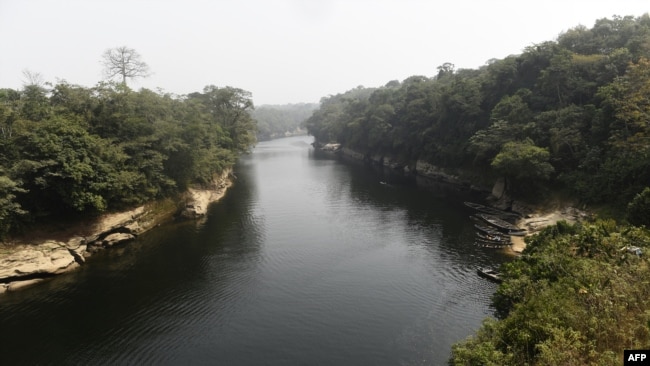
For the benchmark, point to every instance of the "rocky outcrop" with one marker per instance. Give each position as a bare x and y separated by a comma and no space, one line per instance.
433,172
24,264
349,153
420,168
115,229
31,264
499,188
377,159
198,199
117,238
42,260
331,147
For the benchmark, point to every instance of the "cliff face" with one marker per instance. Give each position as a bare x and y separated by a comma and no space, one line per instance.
198,199
25,264
32,261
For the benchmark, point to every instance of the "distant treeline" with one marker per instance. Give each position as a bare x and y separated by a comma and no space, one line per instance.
275,121
569,113
67,149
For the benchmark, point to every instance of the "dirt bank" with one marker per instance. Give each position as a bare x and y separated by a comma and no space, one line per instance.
538,220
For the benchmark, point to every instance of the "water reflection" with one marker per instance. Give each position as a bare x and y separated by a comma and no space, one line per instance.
306,260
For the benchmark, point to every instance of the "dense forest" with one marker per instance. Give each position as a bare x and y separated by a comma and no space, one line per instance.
67,150
275,121
571,113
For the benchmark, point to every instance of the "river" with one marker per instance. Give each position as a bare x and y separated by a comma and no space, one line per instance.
306,261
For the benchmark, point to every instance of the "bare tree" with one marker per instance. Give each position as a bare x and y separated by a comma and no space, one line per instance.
32,78
124,62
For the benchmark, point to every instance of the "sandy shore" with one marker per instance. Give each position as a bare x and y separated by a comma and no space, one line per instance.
535,222
518,244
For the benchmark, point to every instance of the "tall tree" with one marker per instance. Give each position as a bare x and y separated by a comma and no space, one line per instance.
34,103
229,108
523,163
124,62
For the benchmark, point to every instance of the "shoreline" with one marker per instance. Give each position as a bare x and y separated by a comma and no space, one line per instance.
536,222
46,253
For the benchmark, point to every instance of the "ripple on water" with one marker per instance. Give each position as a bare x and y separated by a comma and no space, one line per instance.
306,261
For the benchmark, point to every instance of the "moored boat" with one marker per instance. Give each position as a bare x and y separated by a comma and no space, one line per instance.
490,274
490,210
488,230
490,244
502,225
494,237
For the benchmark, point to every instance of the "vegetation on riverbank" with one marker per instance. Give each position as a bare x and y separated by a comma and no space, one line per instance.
568,116
71,151
577,296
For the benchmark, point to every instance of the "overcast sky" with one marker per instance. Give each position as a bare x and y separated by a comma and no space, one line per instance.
282,51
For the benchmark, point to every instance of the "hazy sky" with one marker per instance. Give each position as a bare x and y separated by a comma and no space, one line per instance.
283,51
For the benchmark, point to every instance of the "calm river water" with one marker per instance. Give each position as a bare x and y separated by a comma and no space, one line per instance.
306,261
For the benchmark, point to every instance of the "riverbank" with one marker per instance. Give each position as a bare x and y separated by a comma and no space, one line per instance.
538,220
535,218
54,250
418,169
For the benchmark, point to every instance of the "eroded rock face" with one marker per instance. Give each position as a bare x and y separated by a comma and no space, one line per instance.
48,258
117,238
192,211
106,240
17,285
198,199
499,188
31,263
77,247
23,265
331,147
431,171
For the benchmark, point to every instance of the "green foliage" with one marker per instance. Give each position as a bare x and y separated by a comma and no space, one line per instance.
275,120
75,150
63,166
10,210
523,162
582,99
229,109
479,350
638,211
576,297
618,167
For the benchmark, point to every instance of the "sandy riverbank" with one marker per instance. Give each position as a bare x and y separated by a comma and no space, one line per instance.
537,221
